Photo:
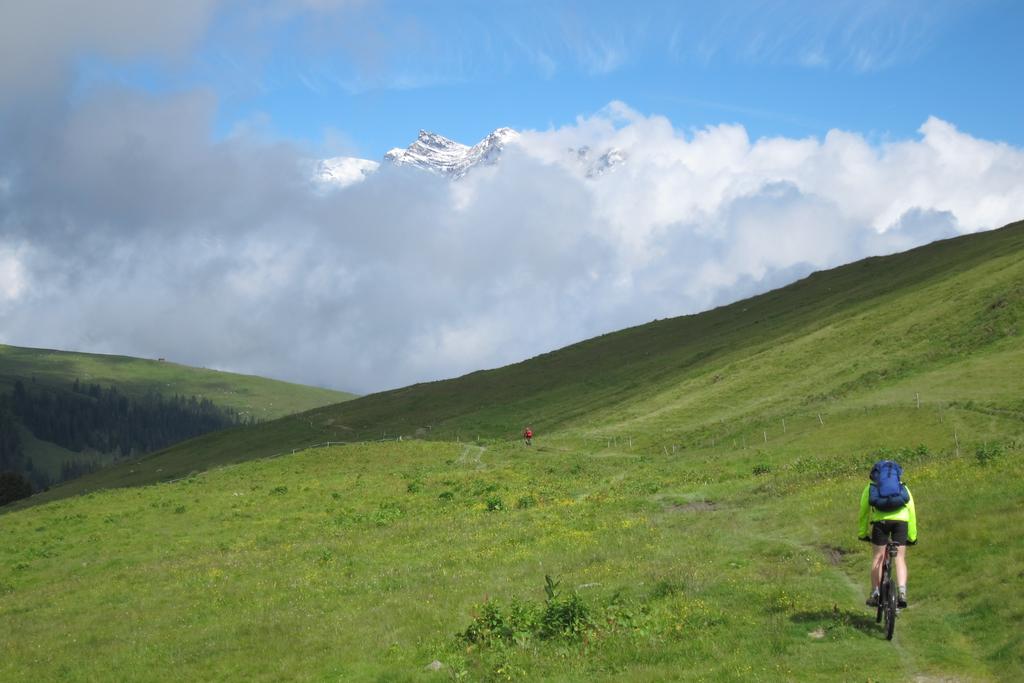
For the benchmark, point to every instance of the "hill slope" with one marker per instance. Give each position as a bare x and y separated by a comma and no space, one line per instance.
825,343
259,397
49,374
692,493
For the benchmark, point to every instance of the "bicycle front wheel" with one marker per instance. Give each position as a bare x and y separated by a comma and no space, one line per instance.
890,608
882,592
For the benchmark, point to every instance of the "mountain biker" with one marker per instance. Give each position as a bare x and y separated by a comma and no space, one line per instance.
528,435
899,524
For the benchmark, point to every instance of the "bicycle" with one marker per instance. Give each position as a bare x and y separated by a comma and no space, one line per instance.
888,591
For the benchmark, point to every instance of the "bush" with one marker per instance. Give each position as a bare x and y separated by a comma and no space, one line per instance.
559,618
495,504
565,618
988,452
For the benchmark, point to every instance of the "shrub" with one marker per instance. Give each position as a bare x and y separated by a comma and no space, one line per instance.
559,618
565,618
988,452
497,625
495,504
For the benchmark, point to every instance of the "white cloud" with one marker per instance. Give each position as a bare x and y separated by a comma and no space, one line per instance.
12,275
39,39
146,238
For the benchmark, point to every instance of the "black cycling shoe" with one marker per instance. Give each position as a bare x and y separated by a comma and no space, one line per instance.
901,601
872,601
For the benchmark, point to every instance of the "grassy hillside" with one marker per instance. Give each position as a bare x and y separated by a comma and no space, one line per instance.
693,491
364,562
262,398
249,396
816,346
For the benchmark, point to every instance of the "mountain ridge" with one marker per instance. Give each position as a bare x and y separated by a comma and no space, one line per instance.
438,154
435,153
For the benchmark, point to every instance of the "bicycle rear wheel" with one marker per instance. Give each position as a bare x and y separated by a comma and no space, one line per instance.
890,607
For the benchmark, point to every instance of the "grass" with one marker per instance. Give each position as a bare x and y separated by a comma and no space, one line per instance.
693,488
258,397
250,396
363,562
874,328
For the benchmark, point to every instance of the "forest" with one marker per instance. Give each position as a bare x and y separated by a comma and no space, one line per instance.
94,421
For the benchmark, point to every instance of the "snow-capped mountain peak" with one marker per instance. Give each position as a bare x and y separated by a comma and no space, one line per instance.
436,153
431,152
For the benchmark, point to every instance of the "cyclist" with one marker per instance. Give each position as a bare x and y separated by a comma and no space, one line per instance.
898,522
528,436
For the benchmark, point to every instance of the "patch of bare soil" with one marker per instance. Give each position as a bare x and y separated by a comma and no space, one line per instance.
835,555
695,506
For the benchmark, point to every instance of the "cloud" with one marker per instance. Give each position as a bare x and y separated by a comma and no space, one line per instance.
39,40
12,275
42,42
854,35
125,227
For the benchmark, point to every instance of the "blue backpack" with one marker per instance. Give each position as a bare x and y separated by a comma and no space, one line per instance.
887,492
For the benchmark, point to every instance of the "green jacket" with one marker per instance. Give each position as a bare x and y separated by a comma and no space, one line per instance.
870,514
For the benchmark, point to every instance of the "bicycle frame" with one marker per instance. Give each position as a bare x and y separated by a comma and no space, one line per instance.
888,591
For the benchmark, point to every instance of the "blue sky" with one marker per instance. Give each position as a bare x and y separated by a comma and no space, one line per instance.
362,77
162,192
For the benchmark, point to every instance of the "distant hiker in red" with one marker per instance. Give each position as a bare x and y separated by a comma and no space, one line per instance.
528,436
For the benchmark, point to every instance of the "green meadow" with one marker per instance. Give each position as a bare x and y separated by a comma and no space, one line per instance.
251,397
256,397
687,512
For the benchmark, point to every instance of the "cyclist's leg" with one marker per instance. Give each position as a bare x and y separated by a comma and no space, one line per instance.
901,566
876,566
899,535
879,539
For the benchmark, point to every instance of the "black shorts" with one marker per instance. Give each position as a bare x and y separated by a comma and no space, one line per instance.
882,530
